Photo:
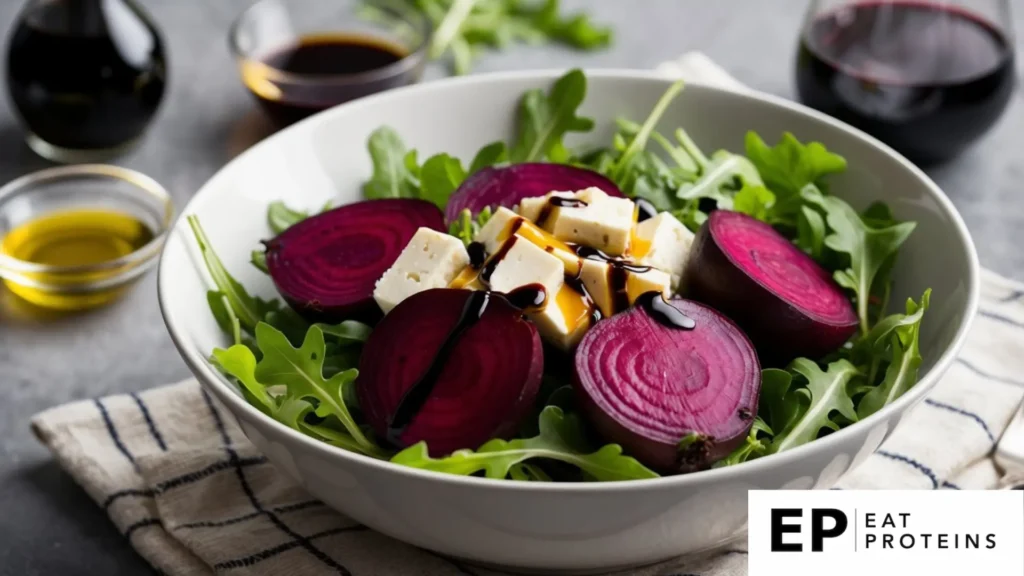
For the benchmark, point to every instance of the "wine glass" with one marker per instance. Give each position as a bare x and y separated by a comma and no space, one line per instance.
927,77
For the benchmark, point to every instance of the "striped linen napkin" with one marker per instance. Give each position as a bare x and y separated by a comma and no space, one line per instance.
194,497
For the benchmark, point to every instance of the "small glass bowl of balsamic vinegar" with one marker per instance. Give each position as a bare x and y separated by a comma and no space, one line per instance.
299,57
74,238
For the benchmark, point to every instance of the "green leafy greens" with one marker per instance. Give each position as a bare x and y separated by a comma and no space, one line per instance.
462,28
561,438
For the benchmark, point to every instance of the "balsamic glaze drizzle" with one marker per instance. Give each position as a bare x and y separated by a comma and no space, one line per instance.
557,202
618,274
477,255
657,307
492,263
575,283
531,296
645,210
418,394
528,298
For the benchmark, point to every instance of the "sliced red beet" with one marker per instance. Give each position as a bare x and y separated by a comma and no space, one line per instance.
675,399
326,266
454,368
787,304
507,186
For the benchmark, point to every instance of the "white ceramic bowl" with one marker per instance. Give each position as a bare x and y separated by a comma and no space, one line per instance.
569,527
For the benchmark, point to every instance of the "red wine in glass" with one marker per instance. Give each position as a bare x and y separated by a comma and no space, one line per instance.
927,78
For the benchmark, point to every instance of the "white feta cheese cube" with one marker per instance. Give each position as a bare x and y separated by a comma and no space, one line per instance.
531,208
431,260
521,263
664,243
565,320
497,229
613,290
605,223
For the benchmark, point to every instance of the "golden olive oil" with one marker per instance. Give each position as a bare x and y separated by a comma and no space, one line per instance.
68,239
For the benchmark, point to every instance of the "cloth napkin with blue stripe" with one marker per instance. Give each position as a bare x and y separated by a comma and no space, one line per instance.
194,497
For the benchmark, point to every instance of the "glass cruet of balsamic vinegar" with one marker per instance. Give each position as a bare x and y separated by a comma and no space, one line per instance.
927,77
85,77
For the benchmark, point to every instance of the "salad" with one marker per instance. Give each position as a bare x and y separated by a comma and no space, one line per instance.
548,314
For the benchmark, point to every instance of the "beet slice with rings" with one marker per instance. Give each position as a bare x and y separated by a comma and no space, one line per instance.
493,187
675,398
326,266
787,304
453,368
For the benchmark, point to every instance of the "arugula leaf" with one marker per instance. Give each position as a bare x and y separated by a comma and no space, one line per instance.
774,408
258,258
440,176
754,201
238,361
300,371
347,332
721,178
248,309
465,227
490,155
463,27
903,334
221,310
392,176
559,439
871,250
824,393
447,31
639,141
810,228
790,166
545,119
576,31
280,217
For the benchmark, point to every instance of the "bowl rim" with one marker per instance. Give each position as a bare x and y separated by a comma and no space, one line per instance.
215,382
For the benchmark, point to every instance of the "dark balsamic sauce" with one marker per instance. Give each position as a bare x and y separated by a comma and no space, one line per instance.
557,202
492,264
575,283
362,62
525,298
618,274
657,307
645,210
528,298
477,255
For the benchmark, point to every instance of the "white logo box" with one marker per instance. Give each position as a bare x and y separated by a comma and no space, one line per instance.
931,533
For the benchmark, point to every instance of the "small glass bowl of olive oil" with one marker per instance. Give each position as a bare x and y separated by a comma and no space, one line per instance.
76,237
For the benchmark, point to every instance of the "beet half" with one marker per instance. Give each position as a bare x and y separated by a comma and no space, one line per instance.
454,368
787,304
326,266
493,187
675,399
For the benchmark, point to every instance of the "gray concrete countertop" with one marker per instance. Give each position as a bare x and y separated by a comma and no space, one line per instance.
47,523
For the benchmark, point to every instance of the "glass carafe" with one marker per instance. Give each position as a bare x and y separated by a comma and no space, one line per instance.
85,77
